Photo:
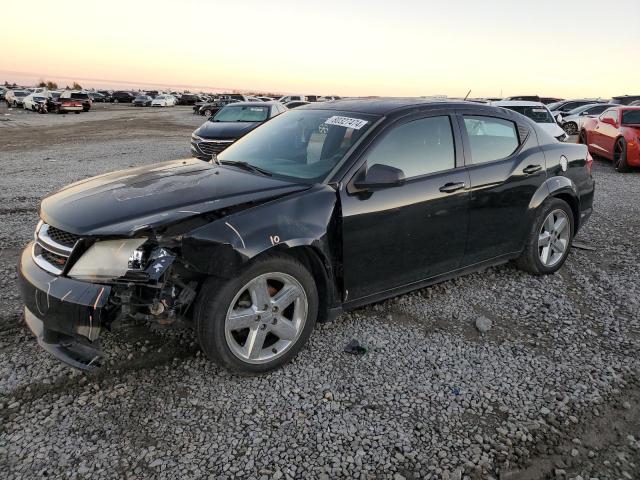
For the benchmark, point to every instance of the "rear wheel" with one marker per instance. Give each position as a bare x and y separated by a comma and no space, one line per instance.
259,320
207,113
549,239
620,156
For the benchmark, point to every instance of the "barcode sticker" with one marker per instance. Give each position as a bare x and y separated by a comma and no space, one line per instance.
346,122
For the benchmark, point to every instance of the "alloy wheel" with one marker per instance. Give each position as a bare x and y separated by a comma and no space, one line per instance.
553,239
266,318
571,128
618,154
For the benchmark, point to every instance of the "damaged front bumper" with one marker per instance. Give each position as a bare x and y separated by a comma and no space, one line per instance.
65,315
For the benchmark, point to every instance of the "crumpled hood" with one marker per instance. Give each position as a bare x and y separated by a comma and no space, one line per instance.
126,201
225,130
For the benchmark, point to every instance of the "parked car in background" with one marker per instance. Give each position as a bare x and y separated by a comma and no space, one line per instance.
635,104
566,106
164,101
142,101
122,96
211,108
229,124
189,99
292,98
573,121
295,104
537,112
36,101
106,94
328,98
534,98
60,104
152,93
78,95
265,99
315,212
615,135
625,99
15,98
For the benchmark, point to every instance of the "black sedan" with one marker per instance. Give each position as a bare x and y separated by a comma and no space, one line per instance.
319,210
229,124
142,101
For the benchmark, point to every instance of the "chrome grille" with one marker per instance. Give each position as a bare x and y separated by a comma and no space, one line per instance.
215,146
63,238
52,248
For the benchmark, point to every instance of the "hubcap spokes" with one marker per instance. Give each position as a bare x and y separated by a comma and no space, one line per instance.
266,317
553,239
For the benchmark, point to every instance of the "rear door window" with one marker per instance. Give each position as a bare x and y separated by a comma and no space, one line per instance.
490,138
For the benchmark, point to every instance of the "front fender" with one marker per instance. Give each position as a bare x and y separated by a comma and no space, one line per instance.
303,219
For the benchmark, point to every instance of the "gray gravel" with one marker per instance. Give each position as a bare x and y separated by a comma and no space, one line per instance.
498,374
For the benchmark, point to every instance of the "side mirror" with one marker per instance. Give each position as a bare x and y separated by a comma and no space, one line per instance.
559,118
380,176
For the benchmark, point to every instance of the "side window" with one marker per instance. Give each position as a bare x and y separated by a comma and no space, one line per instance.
490,138
417,148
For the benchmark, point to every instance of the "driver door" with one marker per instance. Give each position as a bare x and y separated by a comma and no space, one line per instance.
400,235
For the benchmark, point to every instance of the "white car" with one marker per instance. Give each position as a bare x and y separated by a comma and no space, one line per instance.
15,98
573,120
30,102
164,101
539,113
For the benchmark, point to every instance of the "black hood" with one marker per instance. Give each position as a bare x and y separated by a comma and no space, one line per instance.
127,201
225,130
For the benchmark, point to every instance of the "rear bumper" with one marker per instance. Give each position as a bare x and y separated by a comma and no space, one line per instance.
65,315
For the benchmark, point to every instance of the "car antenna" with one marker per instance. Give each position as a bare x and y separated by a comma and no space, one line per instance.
468,93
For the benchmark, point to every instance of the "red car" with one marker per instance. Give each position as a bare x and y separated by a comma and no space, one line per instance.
615,135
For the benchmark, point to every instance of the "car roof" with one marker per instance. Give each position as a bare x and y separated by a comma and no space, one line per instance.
251,104
382,106
517,103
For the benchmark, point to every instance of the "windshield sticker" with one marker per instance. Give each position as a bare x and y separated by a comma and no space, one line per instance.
346,122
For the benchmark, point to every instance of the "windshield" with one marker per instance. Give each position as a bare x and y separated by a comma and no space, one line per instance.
242,113
142,97
554,105
21,94
631,117
304,145
536,113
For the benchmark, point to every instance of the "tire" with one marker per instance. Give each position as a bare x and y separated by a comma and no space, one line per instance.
207,113
620,156
116,101
570,128
218,299
532,256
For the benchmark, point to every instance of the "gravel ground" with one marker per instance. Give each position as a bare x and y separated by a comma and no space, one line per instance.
548,390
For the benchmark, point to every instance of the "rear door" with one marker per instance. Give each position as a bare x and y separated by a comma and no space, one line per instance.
506,167
400,235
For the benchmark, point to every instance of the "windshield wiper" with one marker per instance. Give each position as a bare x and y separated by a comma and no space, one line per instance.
246,166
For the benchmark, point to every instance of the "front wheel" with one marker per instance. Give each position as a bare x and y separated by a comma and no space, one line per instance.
207,113
259,320
549,239
620,156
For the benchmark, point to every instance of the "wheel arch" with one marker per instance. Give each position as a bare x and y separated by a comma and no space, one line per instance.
562,188
302,225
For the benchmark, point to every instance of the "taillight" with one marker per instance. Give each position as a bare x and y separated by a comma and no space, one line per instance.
589,162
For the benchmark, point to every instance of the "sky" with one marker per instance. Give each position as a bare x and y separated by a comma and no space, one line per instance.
329,47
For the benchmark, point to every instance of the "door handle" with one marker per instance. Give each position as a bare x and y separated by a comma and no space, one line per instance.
532,169
452,187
